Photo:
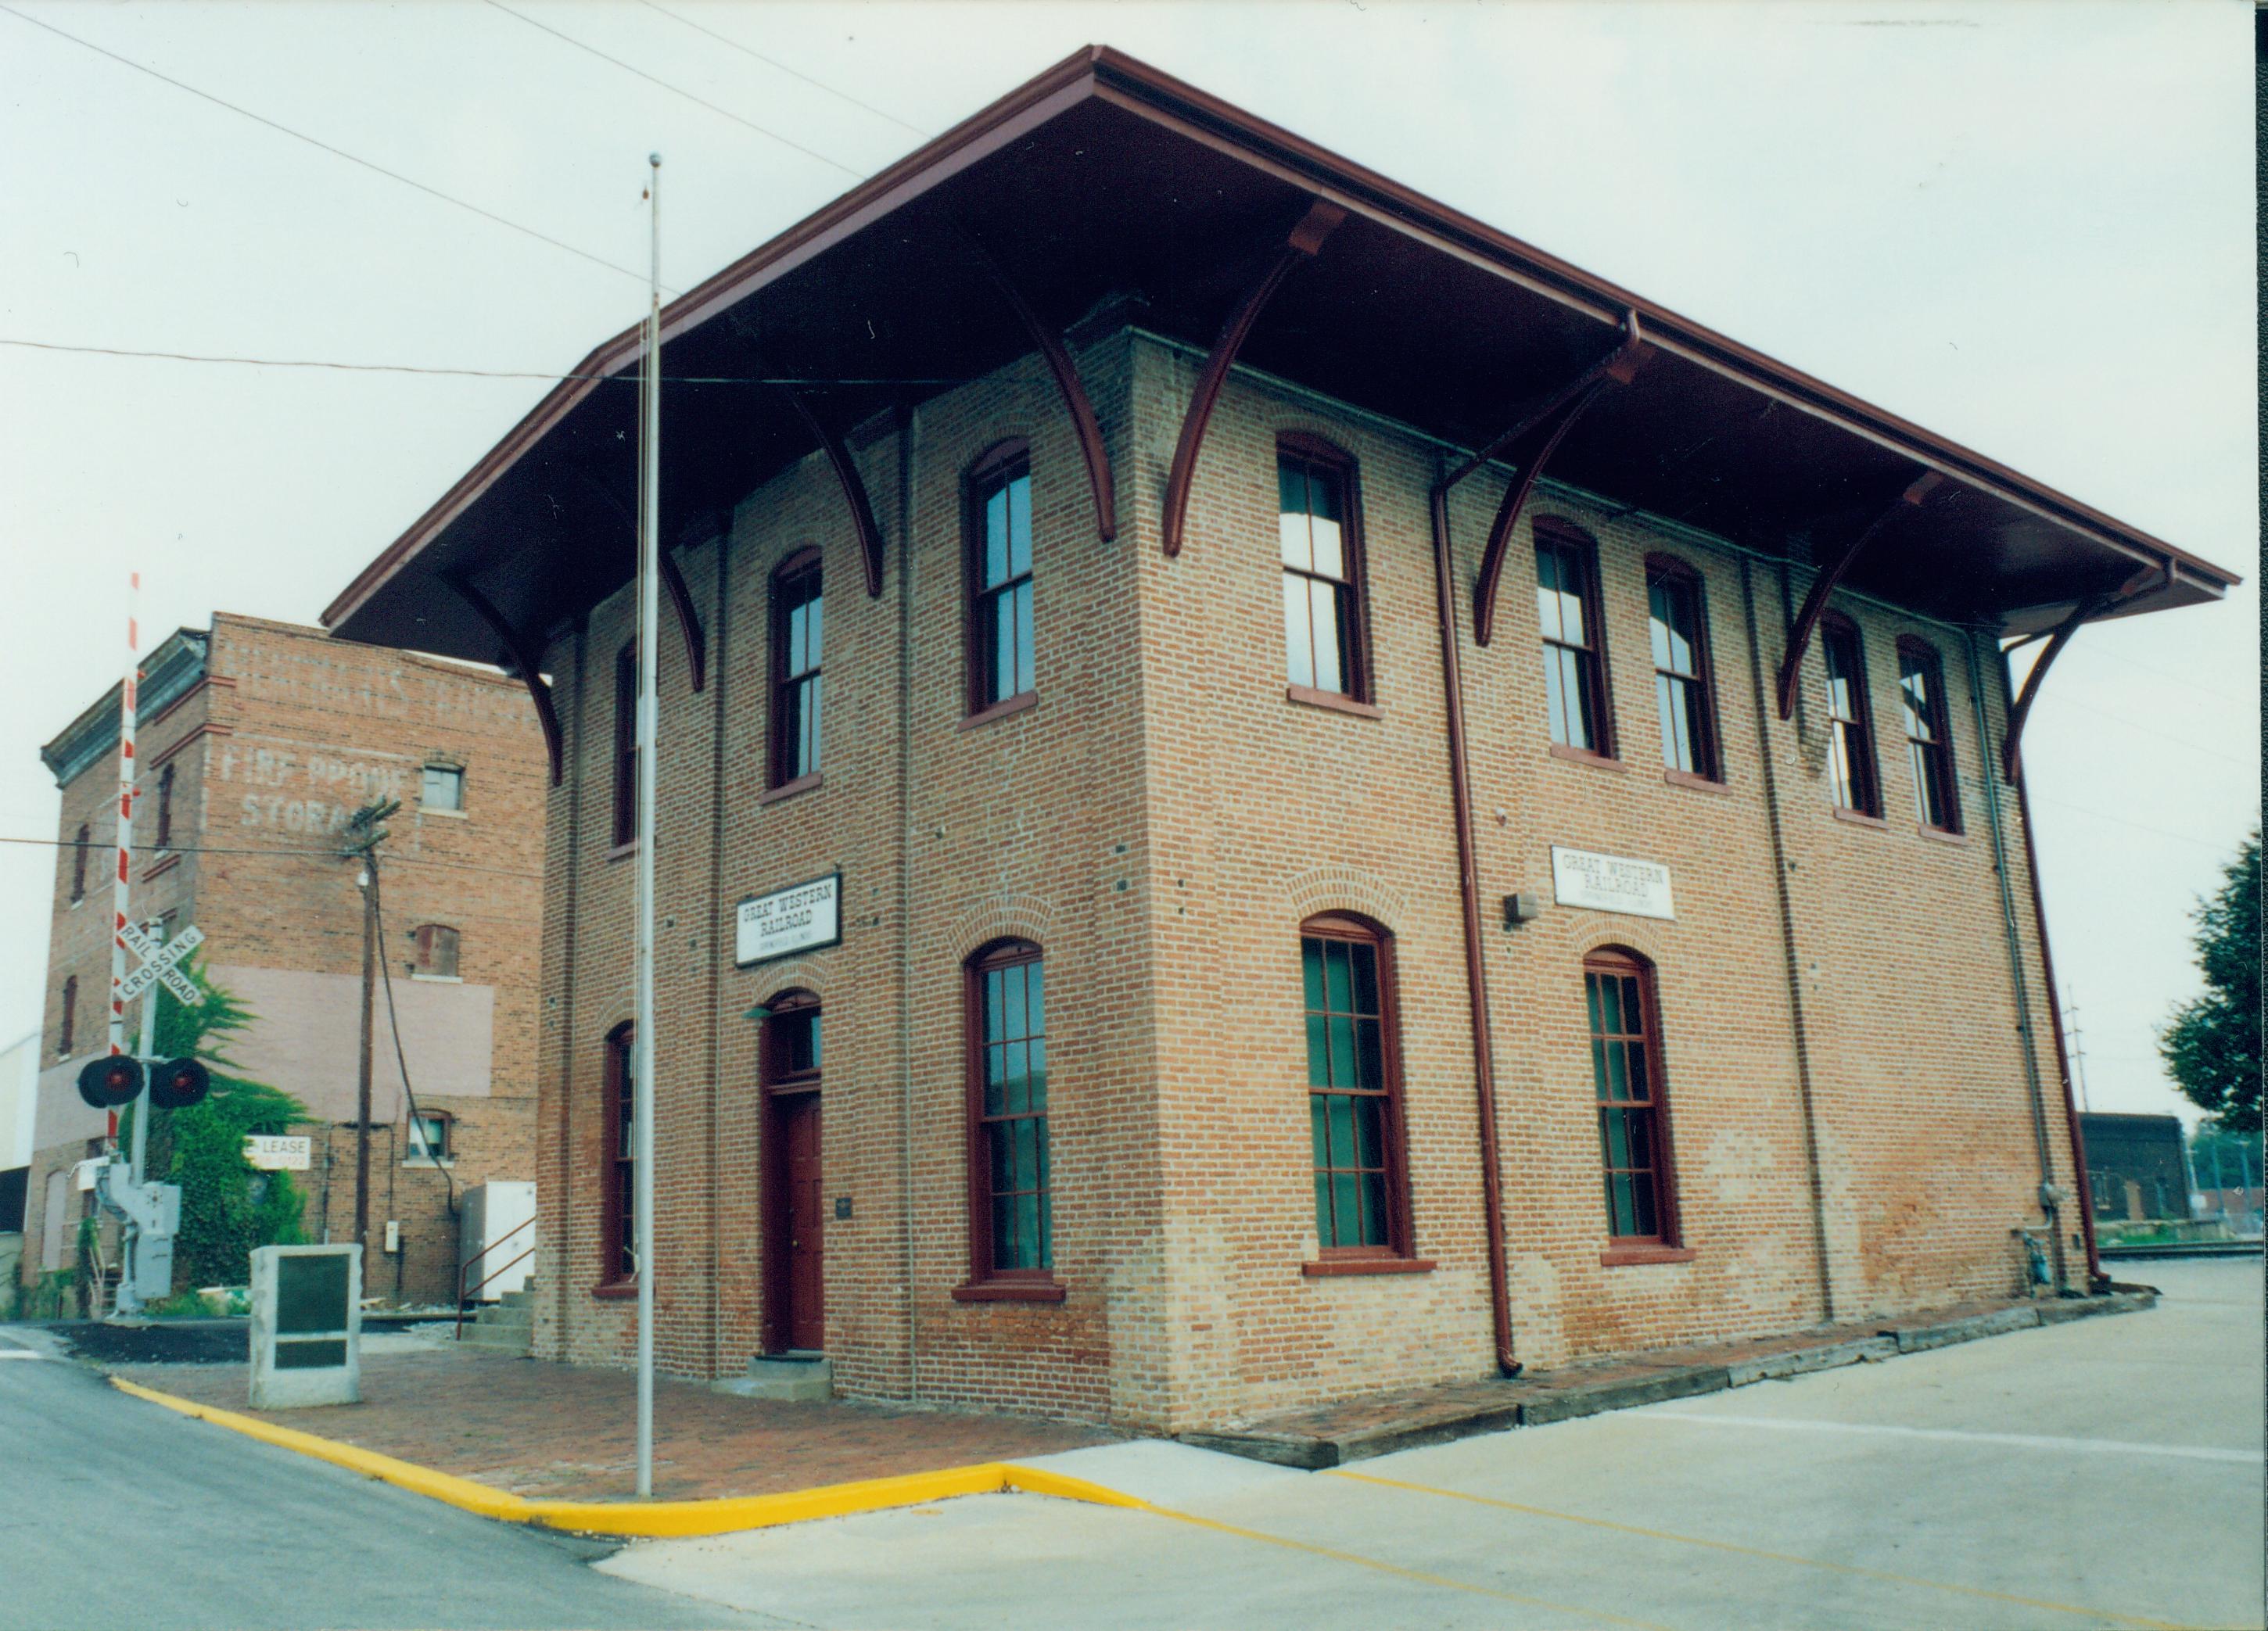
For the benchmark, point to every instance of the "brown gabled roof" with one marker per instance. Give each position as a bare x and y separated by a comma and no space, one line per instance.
1103,178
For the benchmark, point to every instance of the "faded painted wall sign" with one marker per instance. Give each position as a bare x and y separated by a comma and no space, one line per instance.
788,919
1610,882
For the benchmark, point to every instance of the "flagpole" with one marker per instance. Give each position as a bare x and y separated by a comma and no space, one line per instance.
649,574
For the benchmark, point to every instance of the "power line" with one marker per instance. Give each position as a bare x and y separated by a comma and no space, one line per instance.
267,850
793,73
336,152
2140,826
725,113
473,373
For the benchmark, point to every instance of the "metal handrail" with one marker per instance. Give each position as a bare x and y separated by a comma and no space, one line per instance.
465,1267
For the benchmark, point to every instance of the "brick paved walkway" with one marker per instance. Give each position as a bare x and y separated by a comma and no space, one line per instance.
543,1429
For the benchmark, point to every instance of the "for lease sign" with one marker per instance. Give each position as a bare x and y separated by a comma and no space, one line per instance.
794,919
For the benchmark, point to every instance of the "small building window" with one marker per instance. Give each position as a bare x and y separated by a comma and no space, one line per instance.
1012,1226
1627,1071
442,788
798,627
1000,642
1319,541
428,1136
80,847
1574,645
1353,1088
626,740
165,808
619,1241
1929,739
435,957
66,1033
1856,783
791,1057
1683,688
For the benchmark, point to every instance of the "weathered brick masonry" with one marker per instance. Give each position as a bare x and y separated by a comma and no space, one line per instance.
274,734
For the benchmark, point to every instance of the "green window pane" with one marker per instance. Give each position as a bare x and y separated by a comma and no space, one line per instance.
1347,1207
1319,1052
996,539
995,1024
1342,1058
1618,1086
1026,680
1338,976
1047,1253
1039,1077
1012,1007
1641,1085
1610,1007
1317,1110
1323,1231
1342,1130
1598,1068
1034,998
1370,1055
1372,1222
1370,1133
1366,980
1311,963
996,1075
1040,1146
1020,525
1016,1078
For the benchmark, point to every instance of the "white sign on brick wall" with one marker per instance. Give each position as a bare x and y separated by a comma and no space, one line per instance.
794,919
1611,882
271,1152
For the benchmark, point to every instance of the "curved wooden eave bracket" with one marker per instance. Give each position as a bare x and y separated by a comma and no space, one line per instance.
1321,221
522,658
854,492
1076,402
2012,757
1550,420
1822,586
672,582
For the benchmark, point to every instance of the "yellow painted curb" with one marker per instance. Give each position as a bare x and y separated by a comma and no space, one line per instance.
654,1519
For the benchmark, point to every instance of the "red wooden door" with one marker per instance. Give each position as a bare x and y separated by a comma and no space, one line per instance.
802,1224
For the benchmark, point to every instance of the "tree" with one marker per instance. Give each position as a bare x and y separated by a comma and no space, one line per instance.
2212,1043
202,1148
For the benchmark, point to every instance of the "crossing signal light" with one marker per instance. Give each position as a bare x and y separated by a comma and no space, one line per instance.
178,1084
109,1082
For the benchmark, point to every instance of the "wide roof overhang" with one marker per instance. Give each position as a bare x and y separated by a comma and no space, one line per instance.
1105,179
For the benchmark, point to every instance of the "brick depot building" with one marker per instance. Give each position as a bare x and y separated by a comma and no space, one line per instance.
256,742
1364,805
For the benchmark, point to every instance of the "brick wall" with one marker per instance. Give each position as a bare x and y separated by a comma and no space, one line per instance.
1161,822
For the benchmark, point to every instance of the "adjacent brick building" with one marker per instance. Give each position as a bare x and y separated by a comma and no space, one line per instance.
257,741
1285,918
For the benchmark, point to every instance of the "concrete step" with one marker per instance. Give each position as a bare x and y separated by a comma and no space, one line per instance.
502,1318
791,1376
520,1298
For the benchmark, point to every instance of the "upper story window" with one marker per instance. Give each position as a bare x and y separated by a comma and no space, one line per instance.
442,788
165,839
1574,644
1000,648
80,847
1929,741
66,1032
798,631
1850,770
1319,542
1627,1071
428,1136
791,1055
436,954
618,1243
1012,1221
1354,1088
626,735
1684,690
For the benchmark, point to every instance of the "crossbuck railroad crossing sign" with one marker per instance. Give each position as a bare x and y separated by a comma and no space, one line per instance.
161,963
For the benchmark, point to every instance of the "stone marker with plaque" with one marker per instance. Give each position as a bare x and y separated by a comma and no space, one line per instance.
306,1325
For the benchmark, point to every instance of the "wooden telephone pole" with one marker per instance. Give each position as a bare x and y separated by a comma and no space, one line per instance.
363,836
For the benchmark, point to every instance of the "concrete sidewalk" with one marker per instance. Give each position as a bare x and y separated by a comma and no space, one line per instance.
541,1429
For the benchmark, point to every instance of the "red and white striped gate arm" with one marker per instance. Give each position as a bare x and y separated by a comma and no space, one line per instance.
125,825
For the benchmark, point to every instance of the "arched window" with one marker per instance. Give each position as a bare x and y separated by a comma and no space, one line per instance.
626,770
797,629
1929,736
1001,661
1633,1118
435,957
1354,1088
618,1243
1011,1203
165,808
1855,780
792,1054
1574,639
78,863
1320,539
1685,689
65,1033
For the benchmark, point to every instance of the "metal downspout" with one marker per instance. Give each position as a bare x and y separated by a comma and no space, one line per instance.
1787,947
2016,979
1468,891
908,426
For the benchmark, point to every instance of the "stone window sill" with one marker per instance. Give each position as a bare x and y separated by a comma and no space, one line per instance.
1941,835
1618,1256
1584,756
1009,1291
1333,1266
622,850
615,1290
1699,784
1331,702
1859,818
454,815
1016,704
810,783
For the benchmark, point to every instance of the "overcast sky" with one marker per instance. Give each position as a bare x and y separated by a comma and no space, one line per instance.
2028,227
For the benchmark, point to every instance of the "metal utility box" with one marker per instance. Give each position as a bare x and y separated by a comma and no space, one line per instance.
306,1325
495,1237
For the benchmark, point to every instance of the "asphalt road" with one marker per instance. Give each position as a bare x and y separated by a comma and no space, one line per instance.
2103,1473
114,1512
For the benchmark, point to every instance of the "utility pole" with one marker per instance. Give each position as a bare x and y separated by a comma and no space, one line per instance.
363,836
2077,1043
